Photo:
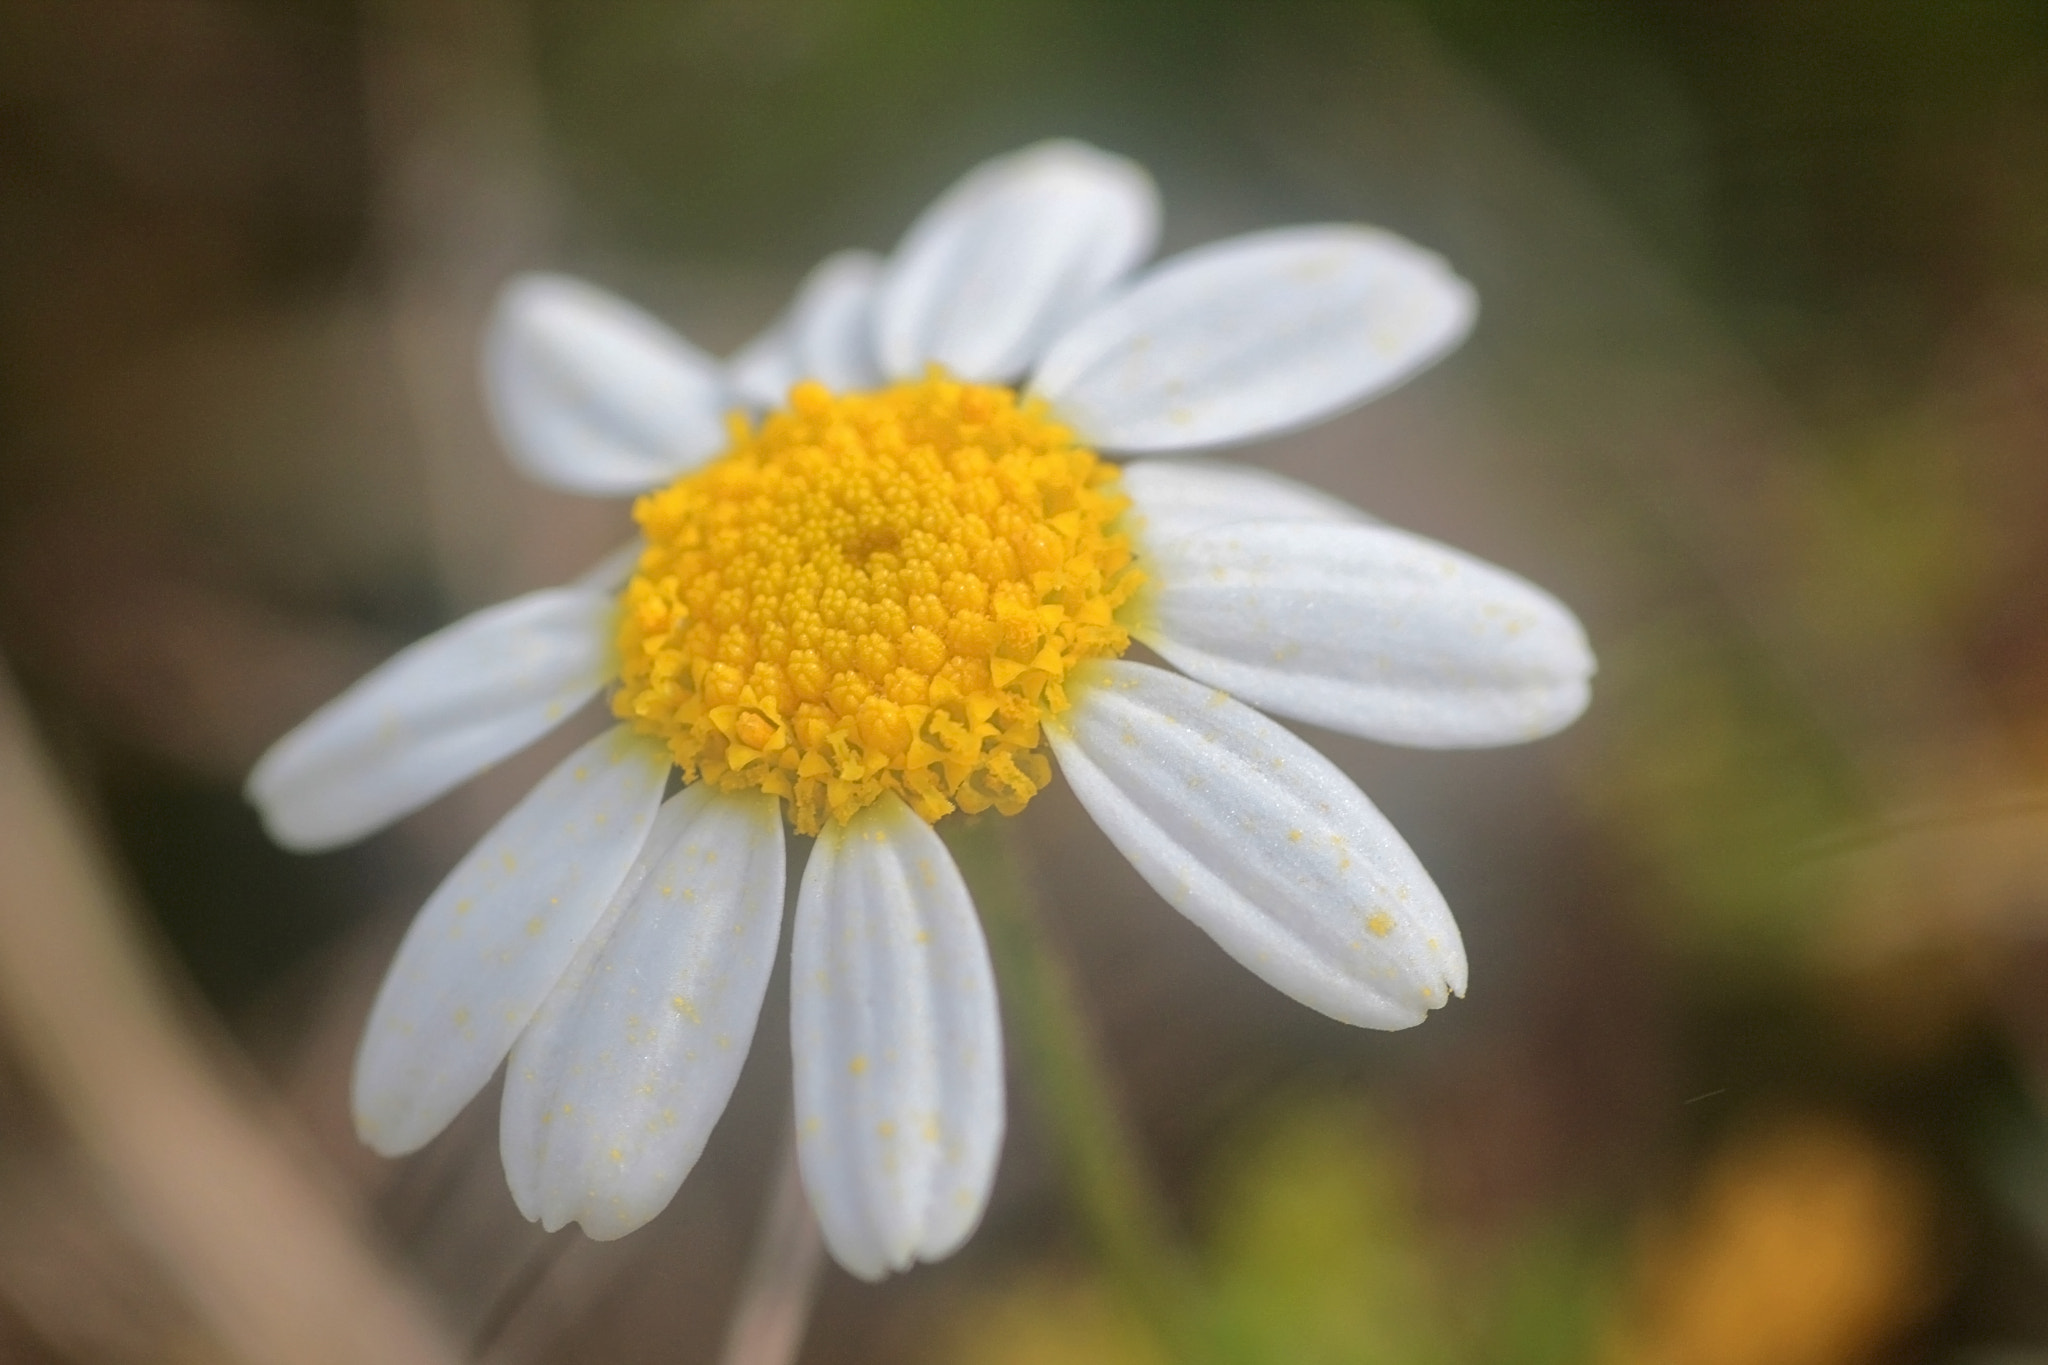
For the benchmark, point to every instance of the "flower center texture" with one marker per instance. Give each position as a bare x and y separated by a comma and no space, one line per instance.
875,592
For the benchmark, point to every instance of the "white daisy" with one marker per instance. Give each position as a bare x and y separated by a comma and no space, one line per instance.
882,599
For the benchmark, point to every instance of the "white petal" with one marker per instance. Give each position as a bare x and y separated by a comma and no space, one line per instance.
833,323
1368,630
898,1049
826,335
434,715
592,395
496,935
1254,336
1259,839
1172,498
614,1087
1009,255
760,373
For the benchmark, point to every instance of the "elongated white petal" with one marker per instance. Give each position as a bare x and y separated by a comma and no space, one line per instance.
760,373
1171,498
897,1045
1254,336
614,1087
497,934
1259,839
434,715
1009,255
592,395
833,323
827,335
1368,630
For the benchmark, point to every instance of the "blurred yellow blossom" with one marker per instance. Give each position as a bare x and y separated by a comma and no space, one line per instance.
1808,1244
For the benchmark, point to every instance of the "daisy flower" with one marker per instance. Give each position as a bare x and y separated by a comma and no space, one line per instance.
888,570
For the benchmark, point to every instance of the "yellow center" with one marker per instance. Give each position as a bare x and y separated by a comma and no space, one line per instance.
875,592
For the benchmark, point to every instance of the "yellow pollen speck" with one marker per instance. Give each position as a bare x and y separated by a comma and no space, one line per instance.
875,592
859,1065
1380,924
682,1006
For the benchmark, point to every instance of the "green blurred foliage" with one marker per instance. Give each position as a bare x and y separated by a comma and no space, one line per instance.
1315,1253
747,129
1719,786
1319,1253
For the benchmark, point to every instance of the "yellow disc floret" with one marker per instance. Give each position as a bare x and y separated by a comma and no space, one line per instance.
875,592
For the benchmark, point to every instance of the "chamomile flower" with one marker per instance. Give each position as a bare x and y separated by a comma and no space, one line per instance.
887,570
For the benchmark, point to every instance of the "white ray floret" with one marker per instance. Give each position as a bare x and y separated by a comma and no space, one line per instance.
1171,498
614,1087
434,715
1262,842
594,396
826,335
897,1045
1252,337
1368,630
1013,252
496,935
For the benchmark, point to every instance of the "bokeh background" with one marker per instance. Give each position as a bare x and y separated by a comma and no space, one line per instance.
1751,1068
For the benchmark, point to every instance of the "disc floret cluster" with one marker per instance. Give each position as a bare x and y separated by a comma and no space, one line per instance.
875,592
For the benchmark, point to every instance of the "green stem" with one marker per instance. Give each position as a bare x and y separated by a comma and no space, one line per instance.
1124,1213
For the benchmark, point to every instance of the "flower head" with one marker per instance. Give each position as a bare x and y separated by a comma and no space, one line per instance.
875,592
881,580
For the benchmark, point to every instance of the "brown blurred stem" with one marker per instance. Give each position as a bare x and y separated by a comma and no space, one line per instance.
781,1285
211,1185
1111,1185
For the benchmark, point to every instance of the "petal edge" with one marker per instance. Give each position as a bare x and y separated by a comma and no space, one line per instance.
896,1042
432,716
1007,256
594,396
1262,842
1252,337
492,940
1368,630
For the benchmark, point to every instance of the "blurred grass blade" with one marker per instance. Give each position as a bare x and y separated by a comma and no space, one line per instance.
211,1185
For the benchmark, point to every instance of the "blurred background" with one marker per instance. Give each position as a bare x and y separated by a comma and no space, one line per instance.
1750,1072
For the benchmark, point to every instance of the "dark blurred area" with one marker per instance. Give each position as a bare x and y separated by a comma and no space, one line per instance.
1750,1070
